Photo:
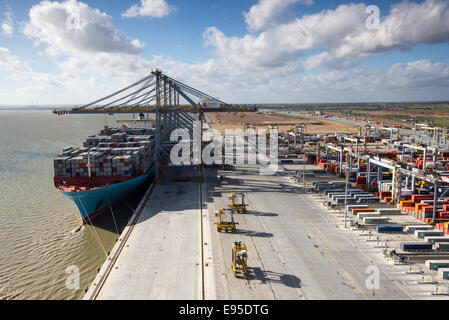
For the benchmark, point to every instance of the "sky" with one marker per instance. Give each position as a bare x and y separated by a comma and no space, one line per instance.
241,51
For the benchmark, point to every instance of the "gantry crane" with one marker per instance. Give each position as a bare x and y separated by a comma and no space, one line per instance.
162,95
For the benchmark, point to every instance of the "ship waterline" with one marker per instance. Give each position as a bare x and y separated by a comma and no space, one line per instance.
93,202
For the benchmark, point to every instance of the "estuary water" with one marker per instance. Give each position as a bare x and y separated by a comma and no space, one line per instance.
38,245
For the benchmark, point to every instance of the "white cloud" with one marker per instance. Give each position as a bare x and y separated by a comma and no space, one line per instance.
150,8
340,36
265,11
124,68
63,88
7,24
10,62
71,26
418,80
7,29
418,74
87,41
423,80
268,67
285,43
407,25
37,81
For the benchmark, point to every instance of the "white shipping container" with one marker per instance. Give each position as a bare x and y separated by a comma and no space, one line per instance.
443,273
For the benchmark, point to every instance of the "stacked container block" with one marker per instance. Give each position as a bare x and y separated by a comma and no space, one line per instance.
114,152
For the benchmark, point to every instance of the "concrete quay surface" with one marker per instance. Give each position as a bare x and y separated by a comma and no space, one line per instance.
161,258
297,249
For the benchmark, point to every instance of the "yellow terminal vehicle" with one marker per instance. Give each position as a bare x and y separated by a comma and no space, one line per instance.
238,202
226,167
422,183
225,225
239,258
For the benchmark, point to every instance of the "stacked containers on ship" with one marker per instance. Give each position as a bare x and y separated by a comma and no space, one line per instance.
104,154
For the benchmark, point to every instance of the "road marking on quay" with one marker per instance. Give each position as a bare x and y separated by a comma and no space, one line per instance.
277,249
362,277
310,260
311,224
263,289
303,266
259,254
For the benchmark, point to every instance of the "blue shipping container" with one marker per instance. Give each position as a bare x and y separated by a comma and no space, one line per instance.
389,228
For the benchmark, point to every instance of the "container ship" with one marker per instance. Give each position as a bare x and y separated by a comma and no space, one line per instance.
108,167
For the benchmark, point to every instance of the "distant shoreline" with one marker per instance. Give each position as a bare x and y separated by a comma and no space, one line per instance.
278,105
24,109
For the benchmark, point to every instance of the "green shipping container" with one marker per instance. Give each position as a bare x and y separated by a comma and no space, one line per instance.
427,214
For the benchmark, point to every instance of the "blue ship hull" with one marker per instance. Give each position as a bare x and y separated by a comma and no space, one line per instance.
93,202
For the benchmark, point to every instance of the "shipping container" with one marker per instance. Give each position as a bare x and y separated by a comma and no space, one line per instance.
389,212
362,215
389,229
368,200
357,210
376,220
436,239
412,229
436,264
441,246
428,233
112,153
416,246
443,273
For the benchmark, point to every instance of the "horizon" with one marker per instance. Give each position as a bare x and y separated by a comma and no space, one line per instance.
279,104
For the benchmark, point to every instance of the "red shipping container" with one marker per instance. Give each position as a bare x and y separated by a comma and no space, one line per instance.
361,180
419,197
440,226
384,194
442,215
357,210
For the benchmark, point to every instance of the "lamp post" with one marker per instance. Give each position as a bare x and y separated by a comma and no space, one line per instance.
304,154
346,195
348,171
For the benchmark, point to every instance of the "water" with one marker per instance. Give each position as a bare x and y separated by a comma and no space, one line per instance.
37,242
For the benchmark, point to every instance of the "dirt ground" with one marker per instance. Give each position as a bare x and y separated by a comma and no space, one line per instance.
397,115
261,120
